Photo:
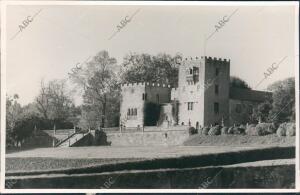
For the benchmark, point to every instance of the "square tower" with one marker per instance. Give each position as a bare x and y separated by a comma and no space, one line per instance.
203,91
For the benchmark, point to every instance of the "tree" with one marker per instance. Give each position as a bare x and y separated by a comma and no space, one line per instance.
283,105
100,85
262,111
54,101
239,83
13,114
161,68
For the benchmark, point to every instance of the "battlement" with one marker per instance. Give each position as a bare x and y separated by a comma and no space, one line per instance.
143,84
207,59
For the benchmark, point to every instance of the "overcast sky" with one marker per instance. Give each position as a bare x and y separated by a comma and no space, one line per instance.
61,36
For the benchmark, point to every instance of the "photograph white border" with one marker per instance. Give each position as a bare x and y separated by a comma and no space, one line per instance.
4,4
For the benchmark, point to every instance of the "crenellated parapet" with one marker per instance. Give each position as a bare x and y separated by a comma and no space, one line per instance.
144,84
208,59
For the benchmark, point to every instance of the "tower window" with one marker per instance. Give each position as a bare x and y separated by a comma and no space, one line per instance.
135,112
217,71
128,112
216,89
191,71
157,98
143,96
216,108
190,105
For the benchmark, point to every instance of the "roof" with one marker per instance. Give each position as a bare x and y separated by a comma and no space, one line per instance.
248,94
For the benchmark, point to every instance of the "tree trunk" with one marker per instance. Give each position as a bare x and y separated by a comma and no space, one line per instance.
103,112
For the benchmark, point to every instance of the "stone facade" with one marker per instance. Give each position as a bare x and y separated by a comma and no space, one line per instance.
203,97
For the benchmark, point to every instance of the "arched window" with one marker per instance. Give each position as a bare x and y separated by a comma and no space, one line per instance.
135,111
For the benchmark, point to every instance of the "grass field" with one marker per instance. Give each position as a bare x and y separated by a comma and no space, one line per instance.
75,157
240,140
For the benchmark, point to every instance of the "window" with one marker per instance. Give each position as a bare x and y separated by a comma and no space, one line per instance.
216,108
157,98
238,108
217,71
191,71
144,96
132,111
190,105
216,89
135,112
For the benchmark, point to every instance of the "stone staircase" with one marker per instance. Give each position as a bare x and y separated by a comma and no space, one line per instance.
71,140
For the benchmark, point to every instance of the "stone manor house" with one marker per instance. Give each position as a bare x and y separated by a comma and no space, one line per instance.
203,98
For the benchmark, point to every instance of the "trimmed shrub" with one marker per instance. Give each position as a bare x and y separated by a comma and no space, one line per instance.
200,130
192,131
290,129
243,127
205,130
224,130
250,130
265,128
281,131
239,131
230,130
216,130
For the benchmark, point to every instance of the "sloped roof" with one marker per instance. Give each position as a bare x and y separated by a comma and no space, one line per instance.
248,94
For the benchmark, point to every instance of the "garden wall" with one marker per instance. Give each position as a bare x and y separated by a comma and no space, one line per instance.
153,138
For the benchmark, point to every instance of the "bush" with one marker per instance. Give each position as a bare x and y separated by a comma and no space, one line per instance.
216,130
250,130
291,129
243,127
265,128
224,130
230,130
281,131
205,130
192,131
240,131
200,130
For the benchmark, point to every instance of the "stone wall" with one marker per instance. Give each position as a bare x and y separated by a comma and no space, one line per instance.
148,138
213,79
240,111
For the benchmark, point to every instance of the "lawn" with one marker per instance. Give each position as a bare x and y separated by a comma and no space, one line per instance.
240,140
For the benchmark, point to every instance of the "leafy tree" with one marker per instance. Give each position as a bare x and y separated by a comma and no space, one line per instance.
13,114
161,68
262,111
283,105
100,85
238,82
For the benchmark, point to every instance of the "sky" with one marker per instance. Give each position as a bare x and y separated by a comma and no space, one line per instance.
59,37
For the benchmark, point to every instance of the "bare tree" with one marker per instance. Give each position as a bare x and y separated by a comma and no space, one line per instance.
54,100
